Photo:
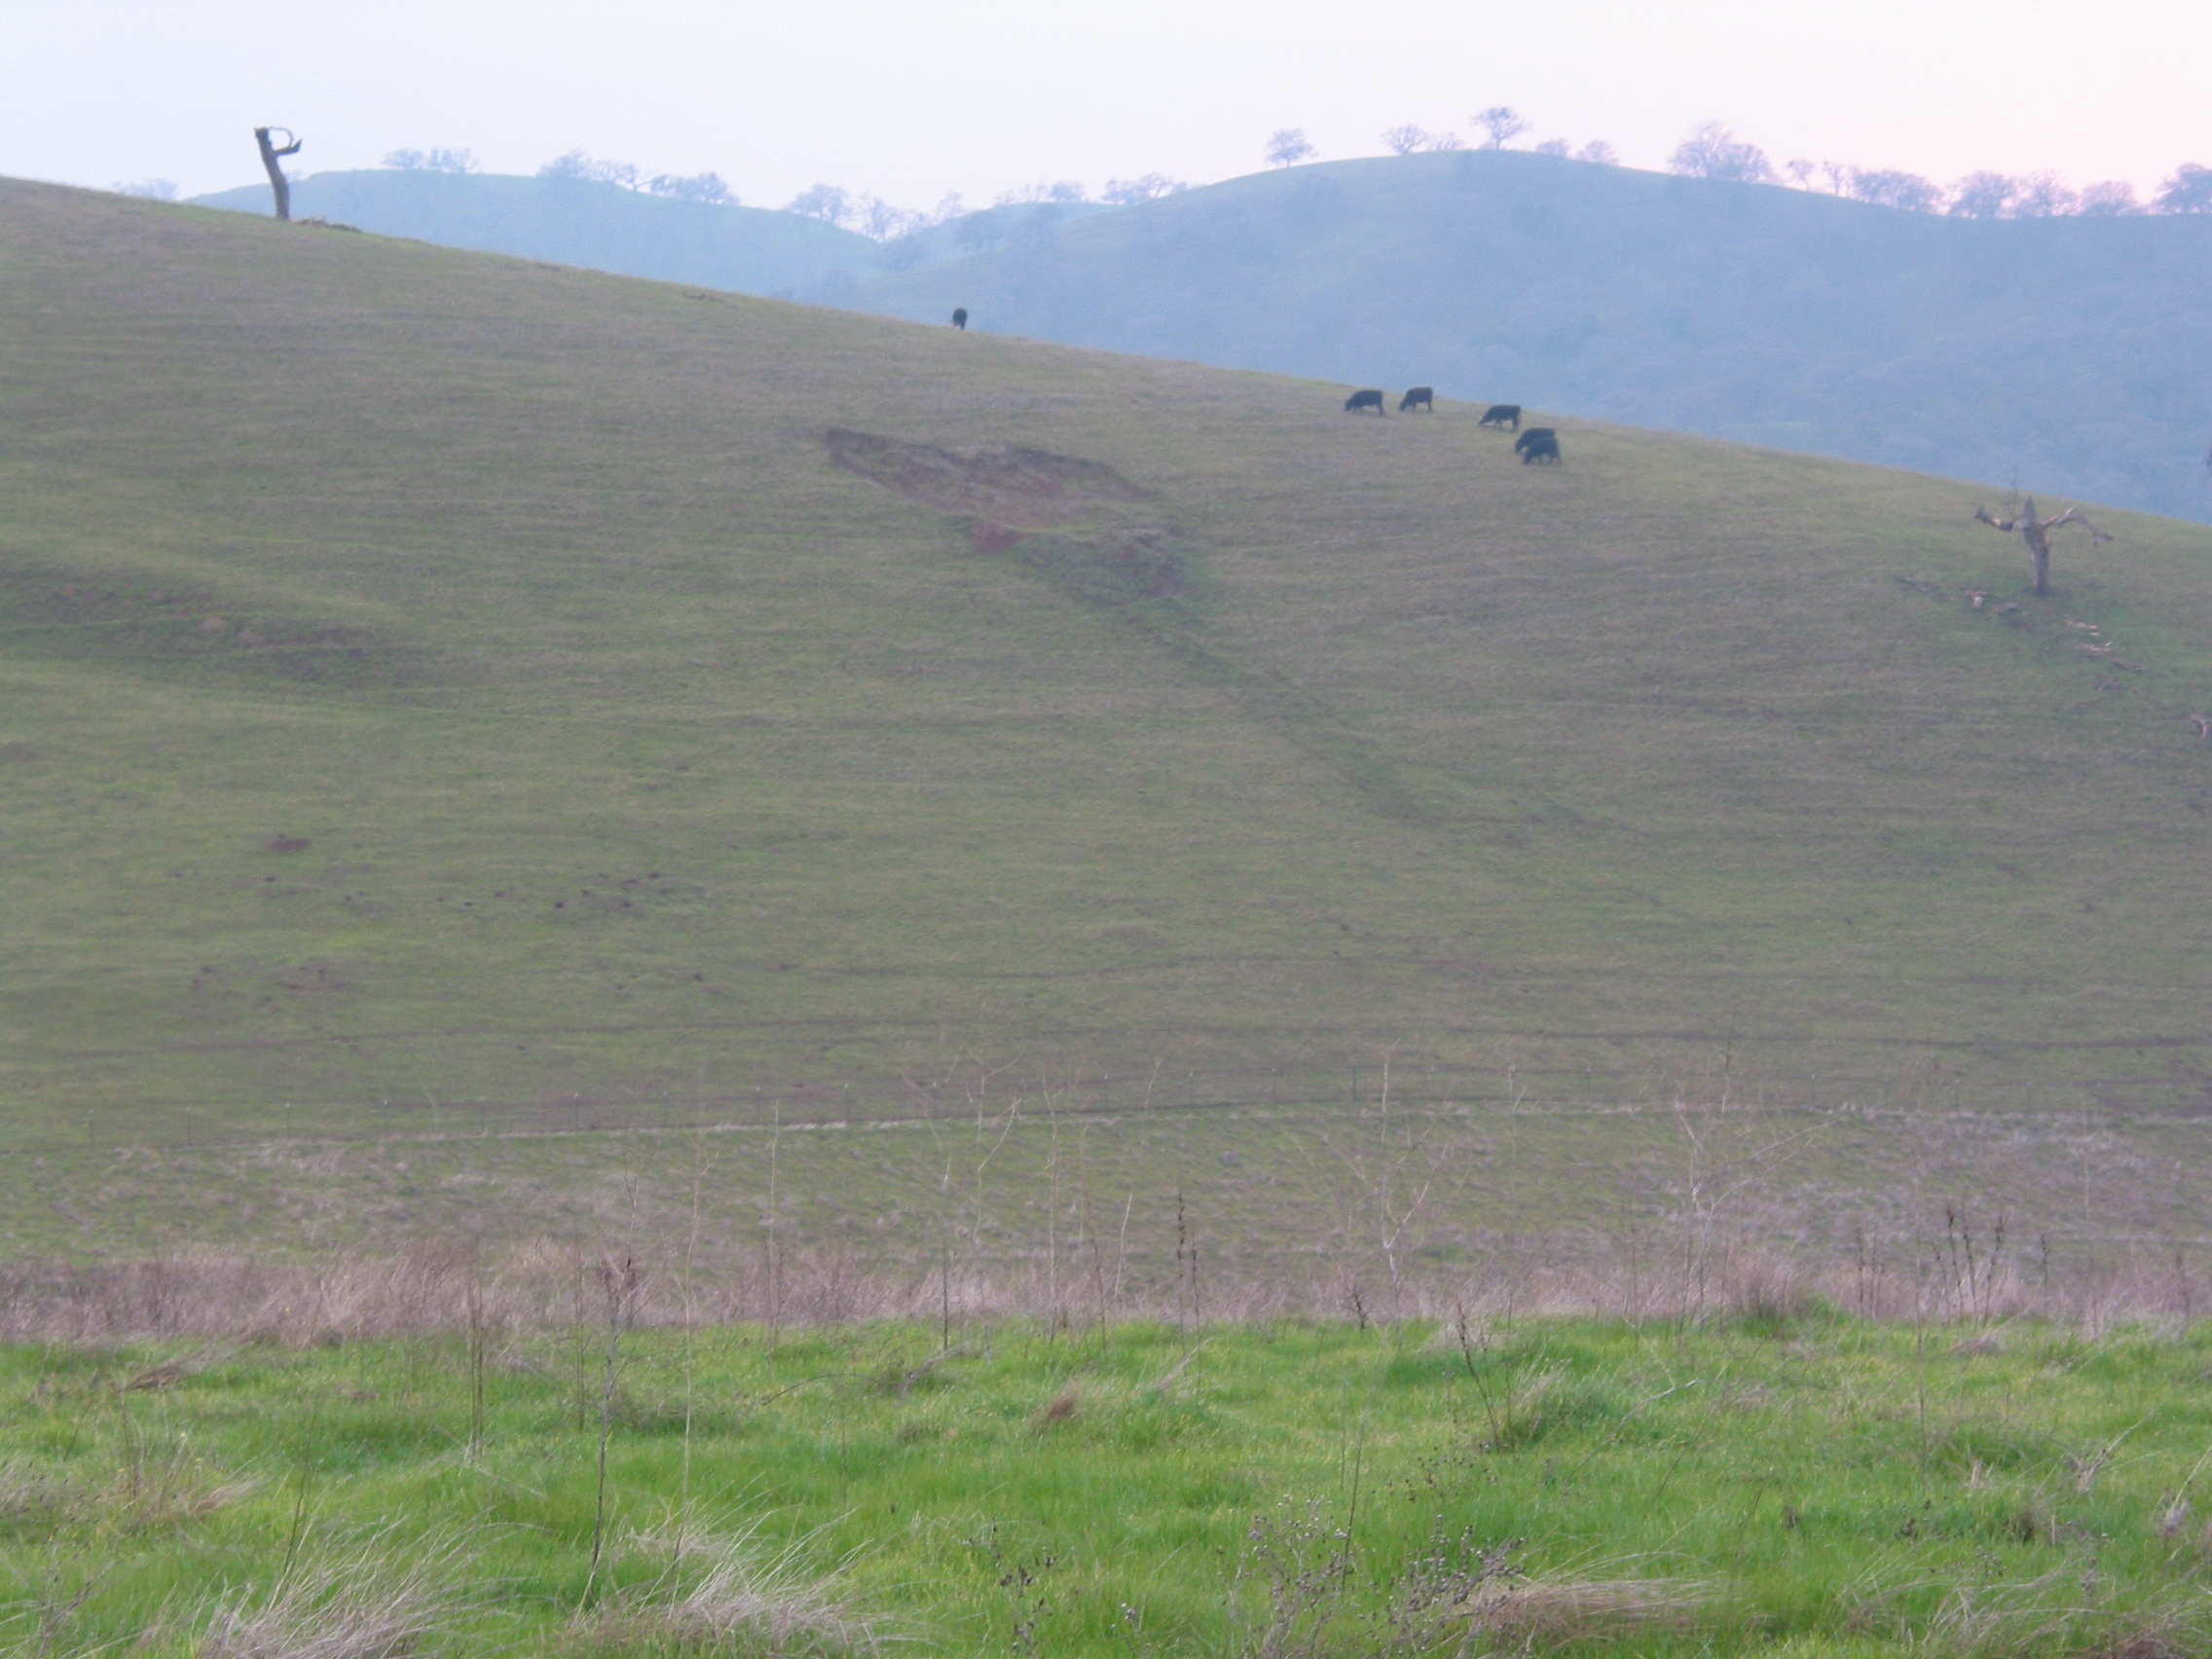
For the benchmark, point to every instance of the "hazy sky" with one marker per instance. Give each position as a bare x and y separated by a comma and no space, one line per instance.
912,98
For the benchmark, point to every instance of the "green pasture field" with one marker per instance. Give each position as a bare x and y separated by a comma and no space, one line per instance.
1808,1486
439,677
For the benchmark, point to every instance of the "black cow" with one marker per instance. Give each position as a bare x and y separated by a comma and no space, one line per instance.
1503,415
960,316
1359,400
1539,443
1419,397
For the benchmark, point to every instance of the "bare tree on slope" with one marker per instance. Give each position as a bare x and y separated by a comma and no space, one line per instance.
272,155
2036,531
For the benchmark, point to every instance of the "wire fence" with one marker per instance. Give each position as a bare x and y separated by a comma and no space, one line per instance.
1351,1086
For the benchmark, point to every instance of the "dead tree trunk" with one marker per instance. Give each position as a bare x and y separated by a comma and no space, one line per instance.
271,153
2036,532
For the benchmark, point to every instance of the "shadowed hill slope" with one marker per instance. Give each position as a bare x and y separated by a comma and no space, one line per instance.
431,673
2075,353
748,251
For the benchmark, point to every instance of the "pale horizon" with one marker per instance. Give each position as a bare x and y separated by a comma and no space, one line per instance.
913,102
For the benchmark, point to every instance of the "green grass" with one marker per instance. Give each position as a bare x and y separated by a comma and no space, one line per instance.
638,752
1817,1484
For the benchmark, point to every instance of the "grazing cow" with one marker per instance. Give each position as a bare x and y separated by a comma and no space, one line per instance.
1418,397
960,316
1503,415
1539,443
1359,400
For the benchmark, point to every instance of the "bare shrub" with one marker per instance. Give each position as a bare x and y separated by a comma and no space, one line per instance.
1287,1596
1760,1284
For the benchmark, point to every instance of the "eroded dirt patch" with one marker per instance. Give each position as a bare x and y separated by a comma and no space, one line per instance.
1067,518
1007,488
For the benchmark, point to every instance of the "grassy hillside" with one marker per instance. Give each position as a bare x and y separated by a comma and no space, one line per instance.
2073,353
432,675
1815,1486
746,250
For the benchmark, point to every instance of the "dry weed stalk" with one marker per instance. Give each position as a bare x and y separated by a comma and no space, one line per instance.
1300,1565
173,1486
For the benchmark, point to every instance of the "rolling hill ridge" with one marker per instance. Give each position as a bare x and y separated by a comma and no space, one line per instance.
574,221
2071,354
425,672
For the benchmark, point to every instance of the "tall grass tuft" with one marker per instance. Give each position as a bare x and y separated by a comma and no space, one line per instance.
365,1602
1554,1613
731,1592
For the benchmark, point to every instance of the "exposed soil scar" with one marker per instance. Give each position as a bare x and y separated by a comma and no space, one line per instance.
1005,489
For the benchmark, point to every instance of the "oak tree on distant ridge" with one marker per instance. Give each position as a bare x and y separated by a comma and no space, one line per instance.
2189,191
1502,124
1711,151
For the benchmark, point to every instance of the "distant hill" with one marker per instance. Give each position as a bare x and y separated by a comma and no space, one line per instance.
746,250
432,675
2073,353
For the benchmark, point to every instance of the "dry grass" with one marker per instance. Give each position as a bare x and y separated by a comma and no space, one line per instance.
234,1297
1550,1612
31,1496
1061,1408
2060,1614
368,1602
733,1590
165,1483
